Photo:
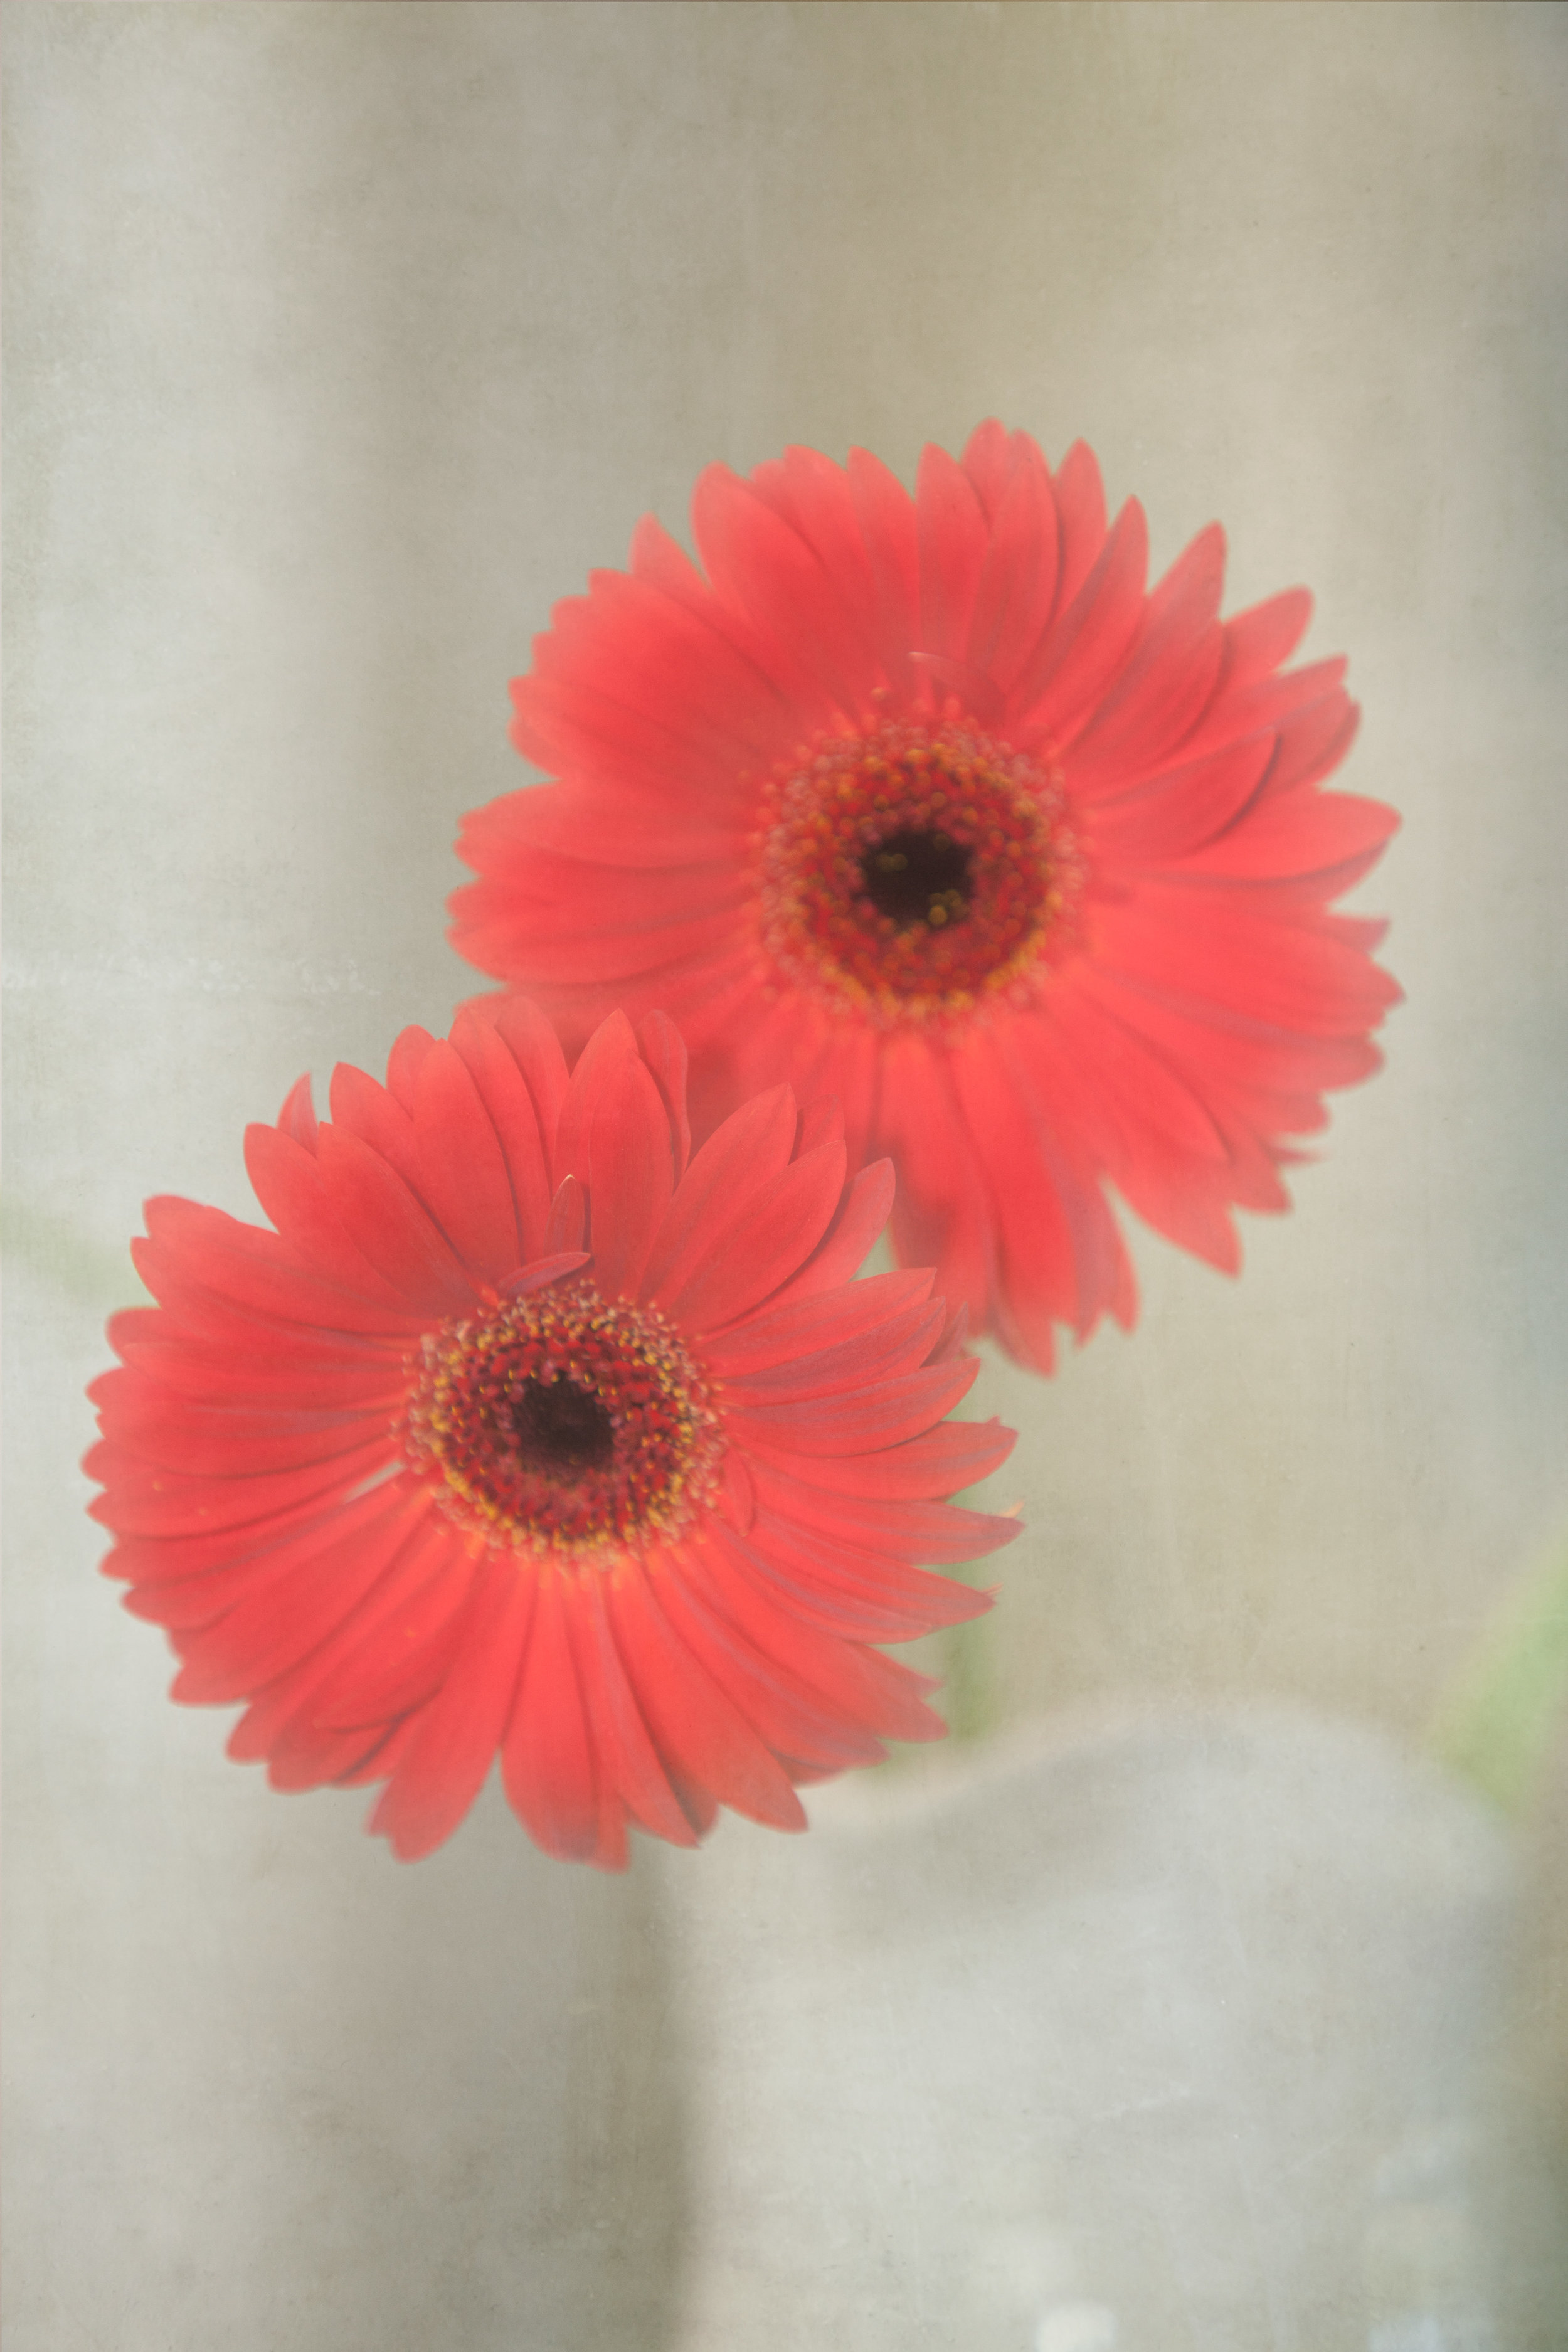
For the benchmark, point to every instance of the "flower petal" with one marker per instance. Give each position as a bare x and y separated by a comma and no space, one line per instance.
751,1252
858,1421
397,1233
462,1175
504,1091
626,1761
547,1760
701,1736
746,1153
818,1346
631,1175
953,544
448,1753
938,1463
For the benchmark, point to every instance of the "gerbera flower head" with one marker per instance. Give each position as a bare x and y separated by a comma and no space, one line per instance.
521,1435
926,803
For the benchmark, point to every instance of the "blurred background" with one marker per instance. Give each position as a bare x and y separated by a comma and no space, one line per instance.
343,340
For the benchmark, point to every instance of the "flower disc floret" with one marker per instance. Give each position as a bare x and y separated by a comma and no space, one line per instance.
909,869
566,1422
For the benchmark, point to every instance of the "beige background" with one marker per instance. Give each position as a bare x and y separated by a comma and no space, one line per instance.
345,337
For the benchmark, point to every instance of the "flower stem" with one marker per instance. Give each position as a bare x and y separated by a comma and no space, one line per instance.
1499,1722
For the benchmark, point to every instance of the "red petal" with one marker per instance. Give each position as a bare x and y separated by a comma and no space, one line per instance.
378,1116
940,1462
631,1176
664,1051
654,685
626,1758
224,1440
1301,835
403,1062
988,456
952,541
544,1270
278,1620
856,1596
144,1499
752,1253
504,1091
1083,650
462,1175
1017,584
406,1638
398,1236
748,1150
606,1053
706,1743
312,1760
1266,635
879,1346
628,827
536,1049
816,499
911,1530
856,1421
849,1241
1146,1106
1079,496
891,537
449,1752
298,1116
767,1345
763,569
1183,809
1172,673
858,1684
1312,743
288,1706
1217,953
223,1365
1239,1053
221,1346
568,1225
149,1560
796,1723
547,1763
1275,702
1042,1200
290,1184
208,1266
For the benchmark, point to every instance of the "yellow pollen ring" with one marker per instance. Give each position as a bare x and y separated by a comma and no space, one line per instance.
564,1423
911,872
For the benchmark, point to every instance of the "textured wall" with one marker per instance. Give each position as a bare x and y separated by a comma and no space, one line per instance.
343,340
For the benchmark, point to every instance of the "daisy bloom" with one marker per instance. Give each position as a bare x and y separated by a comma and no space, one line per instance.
520,1436
926,804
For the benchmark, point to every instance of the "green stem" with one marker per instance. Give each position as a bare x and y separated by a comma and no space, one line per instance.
1499,1723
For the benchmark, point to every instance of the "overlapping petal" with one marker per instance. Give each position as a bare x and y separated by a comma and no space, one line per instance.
273,1510
1168,1044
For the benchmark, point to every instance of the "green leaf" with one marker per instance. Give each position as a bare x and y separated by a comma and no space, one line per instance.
1502,1719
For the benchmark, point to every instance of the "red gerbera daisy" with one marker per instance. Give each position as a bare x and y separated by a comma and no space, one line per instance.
926,804
520,1435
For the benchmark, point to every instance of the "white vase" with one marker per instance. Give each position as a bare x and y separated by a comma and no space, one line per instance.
1162,2036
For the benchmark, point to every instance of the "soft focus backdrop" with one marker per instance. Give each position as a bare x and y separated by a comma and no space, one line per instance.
343,340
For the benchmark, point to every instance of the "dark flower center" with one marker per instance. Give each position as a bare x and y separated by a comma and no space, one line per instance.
566,1421
911,871
917,878
562,1428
